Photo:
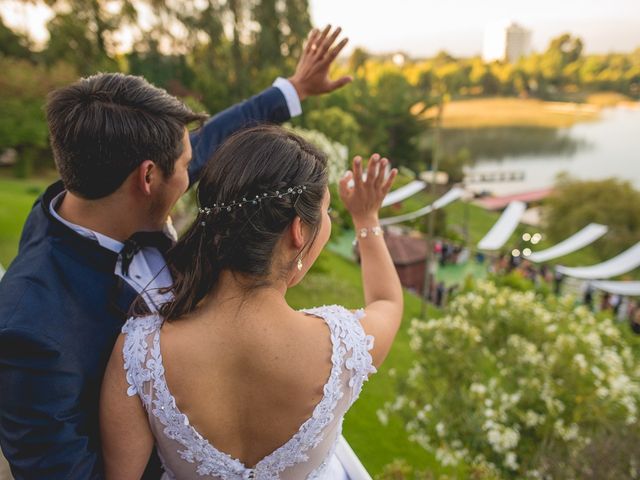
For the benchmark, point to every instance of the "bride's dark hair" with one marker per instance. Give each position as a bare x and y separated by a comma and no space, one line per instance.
252,162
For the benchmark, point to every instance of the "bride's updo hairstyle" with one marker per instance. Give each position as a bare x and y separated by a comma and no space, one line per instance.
257,162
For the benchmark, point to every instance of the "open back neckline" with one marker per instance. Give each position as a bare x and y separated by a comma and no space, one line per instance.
282,449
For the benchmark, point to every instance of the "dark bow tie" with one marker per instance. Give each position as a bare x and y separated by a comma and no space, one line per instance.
140,240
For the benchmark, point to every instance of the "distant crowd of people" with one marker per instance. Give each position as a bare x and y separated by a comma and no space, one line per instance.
449,253
623,309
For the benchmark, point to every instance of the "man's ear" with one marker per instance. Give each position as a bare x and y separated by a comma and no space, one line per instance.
145,175
296,233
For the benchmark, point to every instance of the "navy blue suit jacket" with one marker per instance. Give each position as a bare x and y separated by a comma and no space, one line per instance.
61,309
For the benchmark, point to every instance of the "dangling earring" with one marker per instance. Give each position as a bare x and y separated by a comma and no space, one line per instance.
299,264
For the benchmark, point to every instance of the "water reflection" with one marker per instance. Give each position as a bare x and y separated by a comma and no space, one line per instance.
497,143
515,160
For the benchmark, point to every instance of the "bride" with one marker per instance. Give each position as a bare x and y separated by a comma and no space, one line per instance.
228,381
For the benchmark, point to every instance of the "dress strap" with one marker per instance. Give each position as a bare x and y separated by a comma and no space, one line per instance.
346,328
135,352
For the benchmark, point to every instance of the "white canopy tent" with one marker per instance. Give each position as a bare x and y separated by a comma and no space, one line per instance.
623,263
627,289
451,196
403,192
581,239
504,227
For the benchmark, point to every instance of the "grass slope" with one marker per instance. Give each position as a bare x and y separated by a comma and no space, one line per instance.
16,200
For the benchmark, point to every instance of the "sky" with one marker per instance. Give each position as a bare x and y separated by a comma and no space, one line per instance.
424,27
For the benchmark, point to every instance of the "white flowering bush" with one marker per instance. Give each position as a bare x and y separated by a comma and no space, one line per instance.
337,154
504,379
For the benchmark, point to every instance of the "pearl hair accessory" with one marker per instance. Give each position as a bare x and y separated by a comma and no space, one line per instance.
251,201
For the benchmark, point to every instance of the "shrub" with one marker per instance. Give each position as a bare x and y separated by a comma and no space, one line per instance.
514,383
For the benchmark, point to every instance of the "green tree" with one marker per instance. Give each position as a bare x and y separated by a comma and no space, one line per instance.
389,125
13,44
23,89
562,51
614,203
298,25
82,32
269,39
167,71
358,61
336,124
486,80
71,42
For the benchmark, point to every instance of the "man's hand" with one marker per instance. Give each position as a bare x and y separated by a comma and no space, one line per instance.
312,73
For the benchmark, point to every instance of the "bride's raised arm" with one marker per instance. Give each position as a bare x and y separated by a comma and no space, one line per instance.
382,289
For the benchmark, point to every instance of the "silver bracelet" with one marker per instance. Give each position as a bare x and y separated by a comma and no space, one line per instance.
364,233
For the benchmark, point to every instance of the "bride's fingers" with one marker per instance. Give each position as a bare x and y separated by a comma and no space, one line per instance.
372,168
387,184
357,171
382,169
344,184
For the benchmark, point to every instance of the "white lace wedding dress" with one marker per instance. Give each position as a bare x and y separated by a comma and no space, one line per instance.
309,454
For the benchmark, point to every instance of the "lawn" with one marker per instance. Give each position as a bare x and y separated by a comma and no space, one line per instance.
16,200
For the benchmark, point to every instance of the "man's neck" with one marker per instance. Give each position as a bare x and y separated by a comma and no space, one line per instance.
112,216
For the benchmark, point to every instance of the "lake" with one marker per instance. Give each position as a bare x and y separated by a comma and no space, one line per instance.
508,160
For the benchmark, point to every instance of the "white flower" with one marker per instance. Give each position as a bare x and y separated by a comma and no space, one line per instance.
383,417
478,388
503,439
511,461
532,418
446,457
581,361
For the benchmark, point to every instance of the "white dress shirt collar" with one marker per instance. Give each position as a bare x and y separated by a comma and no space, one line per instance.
104,241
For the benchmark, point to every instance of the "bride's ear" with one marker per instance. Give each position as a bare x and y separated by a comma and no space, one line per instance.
296,233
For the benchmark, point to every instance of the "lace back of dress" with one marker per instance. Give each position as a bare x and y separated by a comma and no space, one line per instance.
186,454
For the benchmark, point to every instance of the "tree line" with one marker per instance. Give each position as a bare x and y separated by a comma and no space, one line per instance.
213,53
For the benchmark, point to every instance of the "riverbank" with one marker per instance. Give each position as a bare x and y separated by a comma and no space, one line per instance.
528,112
511,112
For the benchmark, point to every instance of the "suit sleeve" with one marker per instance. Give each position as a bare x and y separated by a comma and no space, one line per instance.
269,106
40,425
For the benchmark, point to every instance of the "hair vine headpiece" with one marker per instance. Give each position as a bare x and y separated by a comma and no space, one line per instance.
252,201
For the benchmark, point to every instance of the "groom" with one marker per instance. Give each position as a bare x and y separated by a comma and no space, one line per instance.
93,242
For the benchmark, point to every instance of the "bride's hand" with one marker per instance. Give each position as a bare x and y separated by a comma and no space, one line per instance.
364,198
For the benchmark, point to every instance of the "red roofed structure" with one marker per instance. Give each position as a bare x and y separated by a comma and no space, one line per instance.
500,203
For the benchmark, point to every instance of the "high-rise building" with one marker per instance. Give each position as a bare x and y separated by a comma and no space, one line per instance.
507,42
